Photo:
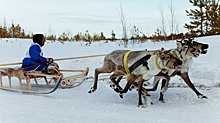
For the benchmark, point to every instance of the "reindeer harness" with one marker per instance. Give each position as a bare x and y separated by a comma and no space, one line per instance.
142,61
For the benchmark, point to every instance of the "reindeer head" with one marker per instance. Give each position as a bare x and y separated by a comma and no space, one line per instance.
200,46
186,48
168,59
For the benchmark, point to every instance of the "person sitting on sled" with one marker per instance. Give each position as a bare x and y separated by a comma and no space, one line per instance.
34,59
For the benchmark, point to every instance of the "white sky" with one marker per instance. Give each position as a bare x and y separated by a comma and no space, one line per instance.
56,16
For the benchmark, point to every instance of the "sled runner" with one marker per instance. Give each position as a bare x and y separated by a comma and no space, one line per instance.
37,82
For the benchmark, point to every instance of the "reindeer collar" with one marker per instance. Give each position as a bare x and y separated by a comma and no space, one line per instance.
126,64
157,63
176,56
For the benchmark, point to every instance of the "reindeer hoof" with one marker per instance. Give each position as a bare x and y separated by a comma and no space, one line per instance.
117,90
131,88
142,106
121,95
162,101
202,97
112,86
92,90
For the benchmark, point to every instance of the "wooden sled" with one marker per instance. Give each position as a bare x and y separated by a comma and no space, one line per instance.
33,85
37,82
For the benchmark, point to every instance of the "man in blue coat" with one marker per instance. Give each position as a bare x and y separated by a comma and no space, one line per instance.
34,59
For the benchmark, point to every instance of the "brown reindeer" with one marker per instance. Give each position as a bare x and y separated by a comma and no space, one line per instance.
141,66
186,50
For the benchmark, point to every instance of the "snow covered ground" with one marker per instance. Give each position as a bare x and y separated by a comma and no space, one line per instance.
77,105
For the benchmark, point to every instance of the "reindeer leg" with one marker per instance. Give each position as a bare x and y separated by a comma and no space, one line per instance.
108,67
131,80
119,79
140,84
156,81
161,99
164,88
113,79
155,85
185,77
116,83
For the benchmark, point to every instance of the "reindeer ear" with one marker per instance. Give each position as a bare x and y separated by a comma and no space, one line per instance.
159,52
178,43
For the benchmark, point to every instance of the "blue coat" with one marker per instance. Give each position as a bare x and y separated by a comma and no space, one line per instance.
34,59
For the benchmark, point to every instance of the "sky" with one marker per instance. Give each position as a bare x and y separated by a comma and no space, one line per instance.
96,16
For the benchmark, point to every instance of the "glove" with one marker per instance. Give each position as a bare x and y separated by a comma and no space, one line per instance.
49,60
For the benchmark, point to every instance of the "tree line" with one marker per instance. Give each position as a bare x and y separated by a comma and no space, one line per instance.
16,31
205,20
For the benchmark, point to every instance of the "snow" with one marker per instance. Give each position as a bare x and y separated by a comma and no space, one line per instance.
77,105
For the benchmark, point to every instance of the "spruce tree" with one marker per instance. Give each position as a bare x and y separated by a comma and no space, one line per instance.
198,17
213,15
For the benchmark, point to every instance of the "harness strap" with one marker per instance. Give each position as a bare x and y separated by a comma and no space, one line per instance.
141,61
176,56
151,53
126,64
157,63
189,44
138,63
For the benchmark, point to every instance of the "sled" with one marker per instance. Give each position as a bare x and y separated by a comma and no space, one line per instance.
37,82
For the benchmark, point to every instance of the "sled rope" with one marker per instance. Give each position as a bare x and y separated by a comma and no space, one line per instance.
53,78
80,57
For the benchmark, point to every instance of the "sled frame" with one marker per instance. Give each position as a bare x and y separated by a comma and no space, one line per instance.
82,76
36,74
30,75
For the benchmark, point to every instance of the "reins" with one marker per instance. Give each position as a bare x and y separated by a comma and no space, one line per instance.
18,63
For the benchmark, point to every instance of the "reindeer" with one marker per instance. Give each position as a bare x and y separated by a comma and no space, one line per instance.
139,66
185,51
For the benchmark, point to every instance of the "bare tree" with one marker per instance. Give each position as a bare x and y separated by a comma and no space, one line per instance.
177,27
4,28
50,30
172,15
135,34
4,23
162,23
124,25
